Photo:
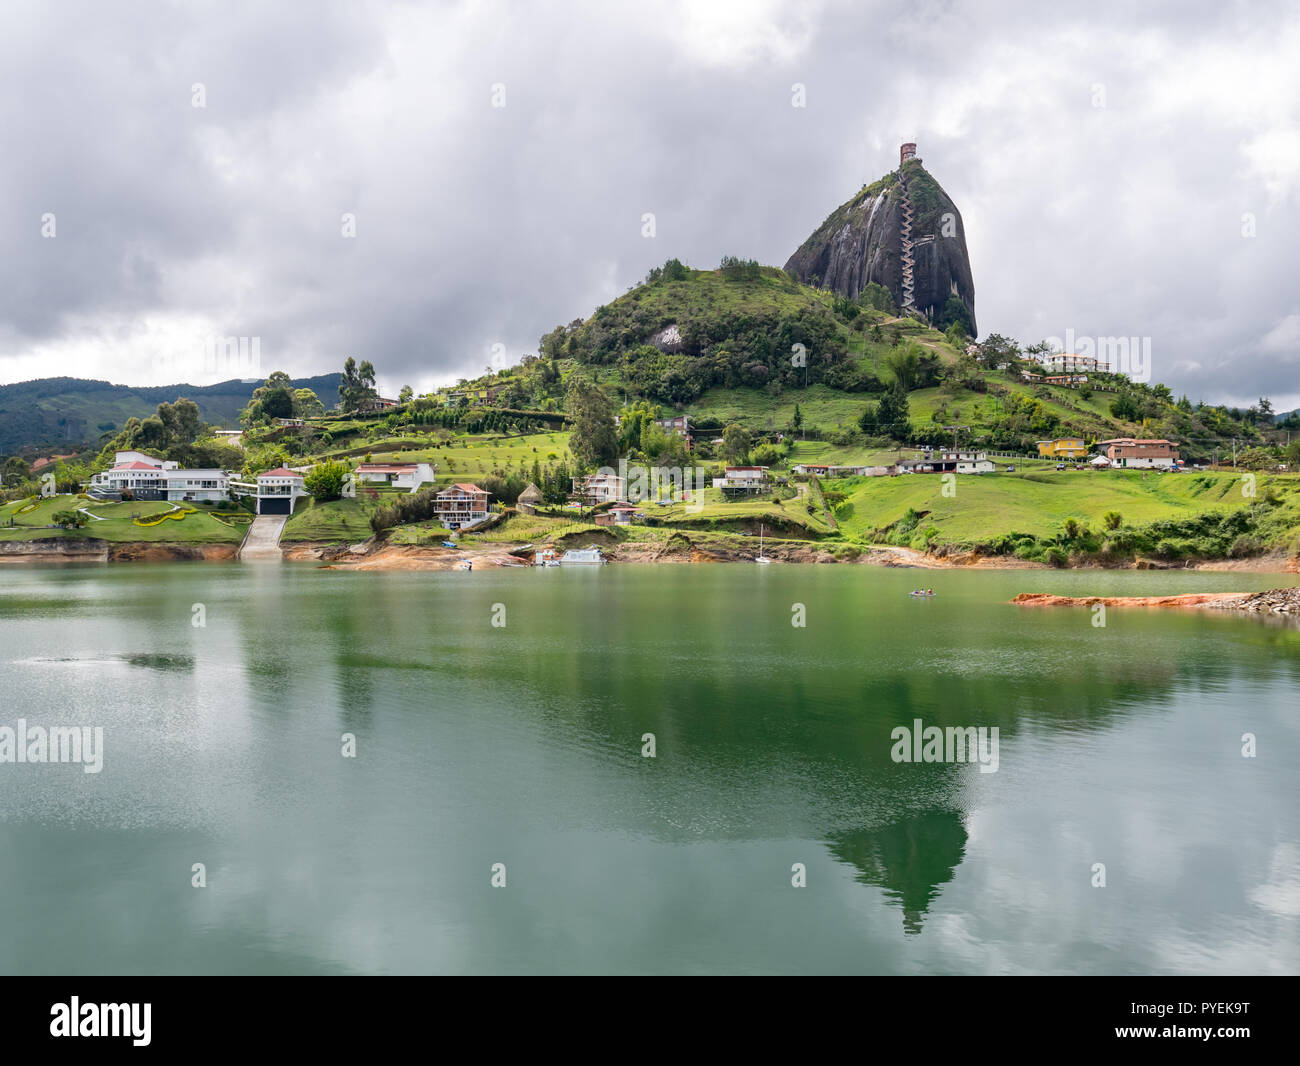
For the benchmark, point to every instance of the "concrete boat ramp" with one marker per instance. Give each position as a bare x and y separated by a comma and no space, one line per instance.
262,541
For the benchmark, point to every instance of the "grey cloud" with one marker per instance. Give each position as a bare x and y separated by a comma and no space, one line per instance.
479,226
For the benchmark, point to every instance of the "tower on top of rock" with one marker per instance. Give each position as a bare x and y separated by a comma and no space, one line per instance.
906,152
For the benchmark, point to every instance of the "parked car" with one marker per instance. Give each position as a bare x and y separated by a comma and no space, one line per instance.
1060,466
1011,467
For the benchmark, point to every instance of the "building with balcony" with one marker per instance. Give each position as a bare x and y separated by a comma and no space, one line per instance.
143,477
461,505
742,481
276,491
596,489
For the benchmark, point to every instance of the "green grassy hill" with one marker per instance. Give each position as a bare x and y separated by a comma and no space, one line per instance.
66,413
1205,515
730,345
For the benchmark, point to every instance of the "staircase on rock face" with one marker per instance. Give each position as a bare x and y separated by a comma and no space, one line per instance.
909,303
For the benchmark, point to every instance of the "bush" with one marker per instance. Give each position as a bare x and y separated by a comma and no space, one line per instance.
416,507
1055,557
1245,546
325,481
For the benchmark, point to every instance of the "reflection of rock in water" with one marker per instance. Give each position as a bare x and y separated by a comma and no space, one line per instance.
908,859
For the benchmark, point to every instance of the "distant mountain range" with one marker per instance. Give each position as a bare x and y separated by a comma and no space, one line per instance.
69,413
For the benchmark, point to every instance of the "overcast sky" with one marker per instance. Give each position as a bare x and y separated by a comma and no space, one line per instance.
1108,166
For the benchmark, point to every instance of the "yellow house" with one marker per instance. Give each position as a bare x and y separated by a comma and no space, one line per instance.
1063,448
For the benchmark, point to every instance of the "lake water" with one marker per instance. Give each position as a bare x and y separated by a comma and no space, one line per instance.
521,744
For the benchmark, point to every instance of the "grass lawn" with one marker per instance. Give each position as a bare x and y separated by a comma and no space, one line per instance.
821,406
335,520
750,510
117,522
1035,502
465,458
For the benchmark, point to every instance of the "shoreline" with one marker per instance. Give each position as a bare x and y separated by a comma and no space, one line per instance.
372,555
1275,601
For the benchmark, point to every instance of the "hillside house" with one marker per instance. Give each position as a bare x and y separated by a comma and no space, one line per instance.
621,514
472,397
742,481
399,475
1066,362
157,480
276,491
373,404
1136,453
679,426
1063,448
600,488
941,462
461,505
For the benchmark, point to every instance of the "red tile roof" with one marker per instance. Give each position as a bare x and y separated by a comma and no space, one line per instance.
136,466
280,471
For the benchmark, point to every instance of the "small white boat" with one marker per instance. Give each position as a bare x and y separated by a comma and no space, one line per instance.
582,557
761,558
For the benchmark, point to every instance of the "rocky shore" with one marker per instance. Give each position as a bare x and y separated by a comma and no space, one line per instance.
1275,601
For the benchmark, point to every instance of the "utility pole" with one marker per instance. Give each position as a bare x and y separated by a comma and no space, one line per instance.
1234,453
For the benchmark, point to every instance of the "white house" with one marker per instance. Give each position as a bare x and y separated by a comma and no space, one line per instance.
278,490
600,488
461,505
399,475
1064,362
742,480
147,478
940,462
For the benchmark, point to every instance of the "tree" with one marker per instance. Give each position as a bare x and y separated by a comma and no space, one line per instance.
1112,520
69,519
904,364
892,413
358,384
868,421
406,394
735,444
878,298
325,480
277,403
306,404
999,349
796,420
16,469
152,433
263,457
181,420
594,440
